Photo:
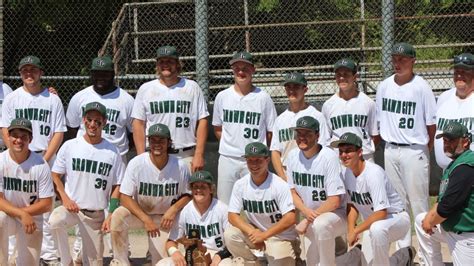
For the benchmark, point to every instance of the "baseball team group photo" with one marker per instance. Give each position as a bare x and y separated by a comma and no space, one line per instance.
86,179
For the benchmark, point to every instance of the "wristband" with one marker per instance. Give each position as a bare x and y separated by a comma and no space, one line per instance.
114,203
172,250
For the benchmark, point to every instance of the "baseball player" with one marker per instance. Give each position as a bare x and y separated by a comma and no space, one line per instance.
351,110
456,104
454,210
205,213
284,141
26,192
153,192
406,111
266,201
118,102
314,177
92,168
176,102
4,90
242,114
373,197
45,111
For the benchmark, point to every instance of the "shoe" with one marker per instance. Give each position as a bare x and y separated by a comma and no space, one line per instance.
77,260
54,262
411,256
148,257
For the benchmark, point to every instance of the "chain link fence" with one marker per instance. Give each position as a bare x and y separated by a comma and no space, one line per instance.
307,36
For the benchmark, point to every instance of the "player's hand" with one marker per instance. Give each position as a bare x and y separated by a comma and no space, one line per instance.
427,227
152,229
310,214
28,223
106,224
70,205
302,226
352,238
197,163
53,90
216,260
260,246
178,259
256,236
168,218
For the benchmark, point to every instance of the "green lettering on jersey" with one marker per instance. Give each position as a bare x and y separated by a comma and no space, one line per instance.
241,117
33,114
399,107
18,184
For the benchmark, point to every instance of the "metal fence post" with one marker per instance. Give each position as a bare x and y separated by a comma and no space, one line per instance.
202,53
388,24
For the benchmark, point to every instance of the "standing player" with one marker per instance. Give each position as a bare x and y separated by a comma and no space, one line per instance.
208,215
4,90
118,102
406,111
456,104
314,177
26,192
455,207
373,197
92,169
266,201
45,111
153,191
284,141
243,114
176,102
351,110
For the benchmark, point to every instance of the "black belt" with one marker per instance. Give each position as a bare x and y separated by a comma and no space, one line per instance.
461,232
174,151
39,151
86,210
400,144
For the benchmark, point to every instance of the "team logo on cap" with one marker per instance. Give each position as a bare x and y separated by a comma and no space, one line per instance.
100,63
253,149
303,122
344,62
242,55
292,76
345,137
199,176
165,51
450,128
400,49
28,60
22,123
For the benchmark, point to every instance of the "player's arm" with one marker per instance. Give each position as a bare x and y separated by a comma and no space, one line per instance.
53,145
40,206
237,221
71,133
375,216
26,219
299,204
288,220
139,135
218,132
201,137
5,137
150,226
431,133
330,204
277,165
352,215
170,214
377,140
269,138
113,204
61,192
173,252
432,219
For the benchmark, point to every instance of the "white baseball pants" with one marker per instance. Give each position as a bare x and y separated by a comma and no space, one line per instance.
229,170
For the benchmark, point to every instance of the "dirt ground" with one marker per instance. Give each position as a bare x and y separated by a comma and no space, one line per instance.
139,247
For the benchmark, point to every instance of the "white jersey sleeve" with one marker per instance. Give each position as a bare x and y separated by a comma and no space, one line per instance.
74,112
8,112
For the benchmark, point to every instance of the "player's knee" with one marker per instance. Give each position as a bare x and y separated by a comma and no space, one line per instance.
378,232
118,216
57,218
3,218
419,218
232,234
321,225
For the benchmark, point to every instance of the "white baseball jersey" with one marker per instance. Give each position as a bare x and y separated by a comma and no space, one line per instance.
244,119
44,110
89,171
119,106
154,189
371,191
211,224
316,178
179,107
405,111
263,205
451,108
23,184
357,115
283,139
4,90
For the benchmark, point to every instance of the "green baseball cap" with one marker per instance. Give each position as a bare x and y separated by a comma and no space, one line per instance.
256,149
464,60
95,106
454,130
167,51
346,63
307,122
347,138
295,78
20,123
102,63
30,60
242,56
159,130
201,176
404,49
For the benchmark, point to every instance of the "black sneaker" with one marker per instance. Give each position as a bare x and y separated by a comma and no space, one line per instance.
411,256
